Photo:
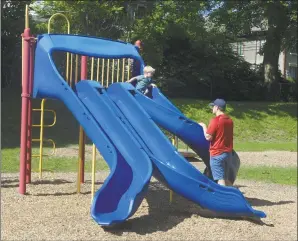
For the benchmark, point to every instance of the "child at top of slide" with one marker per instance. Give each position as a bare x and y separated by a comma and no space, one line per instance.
144,81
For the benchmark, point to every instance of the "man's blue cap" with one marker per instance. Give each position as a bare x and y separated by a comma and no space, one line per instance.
220,103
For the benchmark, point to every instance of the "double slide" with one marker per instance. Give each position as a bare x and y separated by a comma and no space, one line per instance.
123,125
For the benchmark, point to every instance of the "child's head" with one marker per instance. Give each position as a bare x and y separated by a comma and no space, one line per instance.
148,71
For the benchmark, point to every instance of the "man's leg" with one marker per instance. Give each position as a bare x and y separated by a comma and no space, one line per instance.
217,164
229,170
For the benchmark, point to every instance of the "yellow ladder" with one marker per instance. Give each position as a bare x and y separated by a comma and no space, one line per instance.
41,139
42,109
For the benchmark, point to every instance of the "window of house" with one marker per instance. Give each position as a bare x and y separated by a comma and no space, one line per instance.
292,71
141,11
261,44
240,48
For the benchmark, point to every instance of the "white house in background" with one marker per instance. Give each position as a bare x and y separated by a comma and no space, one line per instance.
249,47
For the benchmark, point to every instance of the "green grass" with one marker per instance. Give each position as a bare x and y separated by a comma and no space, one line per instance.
257,125
257,146
10,157
266,146
11,160
287,176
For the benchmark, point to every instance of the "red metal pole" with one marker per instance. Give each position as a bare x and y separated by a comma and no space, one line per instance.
136,64
24,113
29,138
82,136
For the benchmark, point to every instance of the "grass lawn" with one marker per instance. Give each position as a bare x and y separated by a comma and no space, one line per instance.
11,160
257,146
259,126
278,175
287,176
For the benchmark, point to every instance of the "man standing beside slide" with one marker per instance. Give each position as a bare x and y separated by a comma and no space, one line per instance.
220,135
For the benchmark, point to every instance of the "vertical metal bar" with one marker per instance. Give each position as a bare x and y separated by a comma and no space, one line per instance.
118,69
113,69
108,72
128,69
93,171
77,69
92,68
22,59
41,137
82,134
70,75
24,112
27,16
93,146
123,68
97,73
29,138
67,68
102,71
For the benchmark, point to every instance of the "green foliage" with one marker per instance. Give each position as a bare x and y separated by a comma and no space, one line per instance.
12,26
97,18
191,53
277,18
166,20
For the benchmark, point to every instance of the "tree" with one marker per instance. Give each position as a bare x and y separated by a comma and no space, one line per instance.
97,18
164,20
278,18
13,24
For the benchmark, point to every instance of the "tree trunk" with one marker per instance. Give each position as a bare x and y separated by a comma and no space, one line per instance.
277,22
270,62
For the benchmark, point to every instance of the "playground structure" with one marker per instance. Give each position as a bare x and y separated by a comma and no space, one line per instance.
114,115
113,70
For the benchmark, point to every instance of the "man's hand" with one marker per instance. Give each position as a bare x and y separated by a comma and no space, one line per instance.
207,136
203,125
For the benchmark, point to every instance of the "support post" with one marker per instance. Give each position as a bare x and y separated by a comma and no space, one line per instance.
82,134
24,112
29,137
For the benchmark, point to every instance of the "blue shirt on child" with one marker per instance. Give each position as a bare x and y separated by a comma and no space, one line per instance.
143,82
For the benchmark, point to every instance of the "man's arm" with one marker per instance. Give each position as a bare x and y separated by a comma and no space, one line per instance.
207,136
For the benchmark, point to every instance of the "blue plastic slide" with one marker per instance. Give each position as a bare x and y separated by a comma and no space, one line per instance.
161,110
166,115
131,169
171,168
126,136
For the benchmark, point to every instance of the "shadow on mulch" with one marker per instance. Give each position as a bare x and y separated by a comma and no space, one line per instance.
262,202
7,183
51,182
163,216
